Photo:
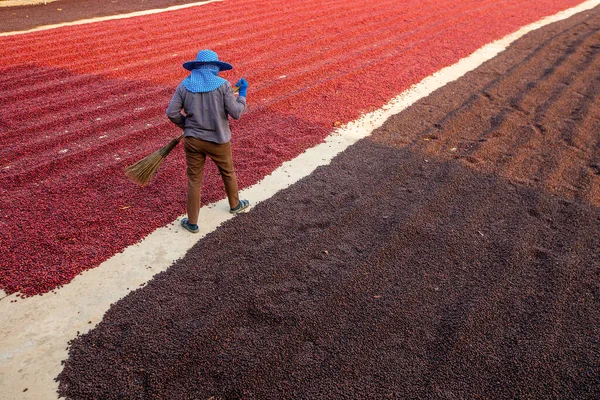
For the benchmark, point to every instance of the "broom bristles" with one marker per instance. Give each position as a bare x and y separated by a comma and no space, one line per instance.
142,171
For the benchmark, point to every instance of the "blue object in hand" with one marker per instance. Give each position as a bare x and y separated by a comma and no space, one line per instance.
243,85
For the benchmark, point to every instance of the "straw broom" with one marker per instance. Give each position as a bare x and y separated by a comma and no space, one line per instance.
142,171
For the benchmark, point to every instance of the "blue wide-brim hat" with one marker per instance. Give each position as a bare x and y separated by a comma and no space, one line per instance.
207,57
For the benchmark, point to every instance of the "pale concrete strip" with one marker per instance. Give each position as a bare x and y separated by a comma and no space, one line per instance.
110,17
34,332
15,3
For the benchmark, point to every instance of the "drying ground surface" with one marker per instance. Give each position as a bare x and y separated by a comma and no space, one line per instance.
452,254
25,16
80,103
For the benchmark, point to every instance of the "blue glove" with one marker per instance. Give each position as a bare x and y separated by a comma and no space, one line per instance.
243,85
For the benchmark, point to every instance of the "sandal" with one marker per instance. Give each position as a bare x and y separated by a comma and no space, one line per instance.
242,205
190,227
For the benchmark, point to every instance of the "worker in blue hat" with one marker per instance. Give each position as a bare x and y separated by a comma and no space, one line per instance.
207,101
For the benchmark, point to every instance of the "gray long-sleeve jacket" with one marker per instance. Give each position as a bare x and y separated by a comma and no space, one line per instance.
206,114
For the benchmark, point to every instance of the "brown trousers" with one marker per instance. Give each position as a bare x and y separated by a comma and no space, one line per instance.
196,151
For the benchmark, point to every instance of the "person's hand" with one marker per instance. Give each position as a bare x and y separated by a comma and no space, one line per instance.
243,85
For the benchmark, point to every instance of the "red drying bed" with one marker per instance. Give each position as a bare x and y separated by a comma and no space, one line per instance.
81,103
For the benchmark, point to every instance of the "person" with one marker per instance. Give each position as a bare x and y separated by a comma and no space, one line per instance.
207,101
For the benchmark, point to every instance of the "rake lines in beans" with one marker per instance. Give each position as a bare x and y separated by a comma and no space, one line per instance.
513,75
543,168
151,59
135,36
